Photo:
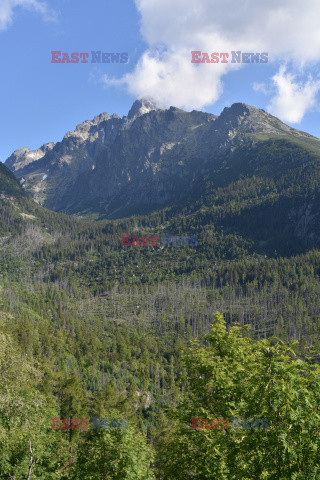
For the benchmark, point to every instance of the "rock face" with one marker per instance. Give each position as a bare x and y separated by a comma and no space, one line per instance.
113,167
140,107
21,158
50,171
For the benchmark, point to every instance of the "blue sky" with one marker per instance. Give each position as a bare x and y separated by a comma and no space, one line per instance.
41,101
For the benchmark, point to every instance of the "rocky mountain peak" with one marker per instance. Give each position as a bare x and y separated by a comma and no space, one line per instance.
254,120
238,109
87,124
140,107
24,156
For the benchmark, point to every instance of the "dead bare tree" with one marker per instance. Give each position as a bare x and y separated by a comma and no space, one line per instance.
31,463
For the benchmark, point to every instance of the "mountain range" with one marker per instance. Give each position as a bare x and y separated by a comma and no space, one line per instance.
243,172
113,167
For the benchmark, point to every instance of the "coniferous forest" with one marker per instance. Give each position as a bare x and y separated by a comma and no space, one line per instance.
159,362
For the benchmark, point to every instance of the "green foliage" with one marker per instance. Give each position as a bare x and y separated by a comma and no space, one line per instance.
24,417
117,454
235,376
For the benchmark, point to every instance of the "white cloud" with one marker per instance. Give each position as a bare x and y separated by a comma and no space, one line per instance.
280,26
287,29
160,77
7,8
293,99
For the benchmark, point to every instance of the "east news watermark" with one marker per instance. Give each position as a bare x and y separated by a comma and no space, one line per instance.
224,423
235,57
82,57
128,240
